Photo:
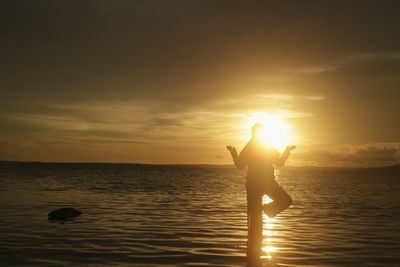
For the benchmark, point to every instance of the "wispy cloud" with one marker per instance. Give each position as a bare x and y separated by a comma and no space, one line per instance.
281,105
150,122
350,60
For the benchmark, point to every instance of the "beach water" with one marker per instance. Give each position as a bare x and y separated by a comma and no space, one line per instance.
138,215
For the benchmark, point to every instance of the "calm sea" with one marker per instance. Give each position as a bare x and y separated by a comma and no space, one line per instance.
136,215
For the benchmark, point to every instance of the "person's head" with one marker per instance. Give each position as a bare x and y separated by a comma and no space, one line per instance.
256,130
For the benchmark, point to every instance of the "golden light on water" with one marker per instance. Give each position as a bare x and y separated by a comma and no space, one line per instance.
268,233
276,132
268,248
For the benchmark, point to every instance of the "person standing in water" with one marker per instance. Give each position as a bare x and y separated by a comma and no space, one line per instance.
259,160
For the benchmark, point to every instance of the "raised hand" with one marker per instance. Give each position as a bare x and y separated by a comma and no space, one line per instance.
232,149
290,148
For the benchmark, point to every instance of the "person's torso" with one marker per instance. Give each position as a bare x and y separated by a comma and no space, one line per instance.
260,162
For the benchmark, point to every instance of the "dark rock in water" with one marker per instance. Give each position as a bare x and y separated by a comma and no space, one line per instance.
64,214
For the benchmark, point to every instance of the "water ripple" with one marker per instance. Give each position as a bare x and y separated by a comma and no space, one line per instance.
169,216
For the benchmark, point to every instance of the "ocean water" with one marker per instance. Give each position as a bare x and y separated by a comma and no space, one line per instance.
137,215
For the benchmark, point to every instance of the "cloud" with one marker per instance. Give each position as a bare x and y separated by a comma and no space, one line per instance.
24,144
281,105
351,60
140,123
349,156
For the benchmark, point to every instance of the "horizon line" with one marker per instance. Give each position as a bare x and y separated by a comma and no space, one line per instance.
191,164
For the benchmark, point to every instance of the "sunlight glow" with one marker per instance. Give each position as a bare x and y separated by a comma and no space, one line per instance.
276,132
268,247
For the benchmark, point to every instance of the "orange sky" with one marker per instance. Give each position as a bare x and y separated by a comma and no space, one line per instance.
174,82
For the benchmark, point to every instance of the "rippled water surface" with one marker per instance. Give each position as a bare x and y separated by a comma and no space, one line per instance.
193,216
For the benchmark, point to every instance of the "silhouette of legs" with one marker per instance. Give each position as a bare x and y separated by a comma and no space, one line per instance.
255,208
254,223
281,199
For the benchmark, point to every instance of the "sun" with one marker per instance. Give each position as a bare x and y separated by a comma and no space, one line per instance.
276,132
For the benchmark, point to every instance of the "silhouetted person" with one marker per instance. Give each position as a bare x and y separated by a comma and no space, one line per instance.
259,160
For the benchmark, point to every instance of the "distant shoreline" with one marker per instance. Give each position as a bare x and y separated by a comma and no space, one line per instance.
316,168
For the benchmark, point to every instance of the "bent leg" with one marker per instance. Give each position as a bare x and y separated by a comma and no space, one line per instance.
281,200
254,223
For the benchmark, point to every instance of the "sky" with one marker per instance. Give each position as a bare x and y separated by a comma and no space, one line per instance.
176,81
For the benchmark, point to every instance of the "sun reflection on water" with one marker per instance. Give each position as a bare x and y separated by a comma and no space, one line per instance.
269,234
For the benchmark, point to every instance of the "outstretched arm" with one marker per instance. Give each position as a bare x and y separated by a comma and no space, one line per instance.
285,155
239,160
